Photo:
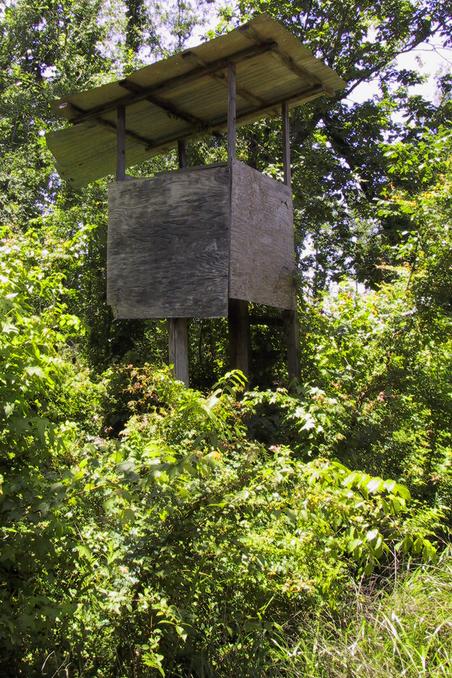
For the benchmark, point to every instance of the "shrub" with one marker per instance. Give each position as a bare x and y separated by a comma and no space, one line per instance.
192,546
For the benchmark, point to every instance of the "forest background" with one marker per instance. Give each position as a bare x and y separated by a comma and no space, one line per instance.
149,529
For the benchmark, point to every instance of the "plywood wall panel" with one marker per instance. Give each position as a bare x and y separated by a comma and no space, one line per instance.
262,264
182,243
168,245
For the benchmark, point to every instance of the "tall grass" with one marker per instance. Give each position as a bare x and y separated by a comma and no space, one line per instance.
406,632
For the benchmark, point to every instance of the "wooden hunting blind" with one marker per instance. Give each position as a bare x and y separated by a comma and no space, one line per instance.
199,242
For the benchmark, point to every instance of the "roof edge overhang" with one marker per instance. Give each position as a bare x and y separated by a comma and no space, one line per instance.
165,86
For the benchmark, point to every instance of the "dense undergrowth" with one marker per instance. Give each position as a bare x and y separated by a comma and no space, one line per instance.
152,529
230,531
183,545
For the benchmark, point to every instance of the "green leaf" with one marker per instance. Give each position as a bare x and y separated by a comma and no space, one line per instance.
84,551
375,485
9,328
181,632
35,371
403,491
372,535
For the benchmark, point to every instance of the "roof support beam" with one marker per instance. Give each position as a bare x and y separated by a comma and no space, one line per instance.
176,81
232,113
165,144
121,144
249,114
178,327
295,68
167,106
270,106
279,54
289,317
286,144
144,141
220,77
238,321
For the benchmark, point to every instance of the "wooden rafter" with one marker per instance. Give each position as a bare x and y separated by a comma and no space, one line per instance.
220,77
171,83
146,141
186,98
211,126
271,106
165,105
295,68
215,125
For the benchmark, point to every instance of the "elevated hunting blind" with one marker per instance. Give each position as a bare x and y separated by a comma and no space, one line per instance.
199,242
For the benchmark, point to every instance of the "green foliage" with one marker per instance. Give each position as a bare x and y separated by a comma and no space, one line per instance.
376,379
184,545
46,405
161,535
148,529
378,391
402,629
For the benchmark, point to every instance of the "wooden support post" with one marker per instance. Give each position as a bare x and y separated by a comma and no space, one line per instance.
232,112
178,327
290,319
238,319
286,145
178,348
239,335
121,144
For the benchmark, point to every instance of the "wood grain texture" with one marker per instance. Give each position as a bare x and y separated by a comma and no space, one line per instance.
178,348
168,245
262,242
291,332
121,144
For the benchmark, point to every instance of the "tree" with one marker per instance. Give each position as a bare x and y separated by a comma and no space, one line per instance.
338,156
339,161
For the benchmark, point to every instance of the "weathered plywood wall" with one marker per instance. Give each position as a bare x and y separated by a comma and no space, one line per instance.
168,245
262,241
181,243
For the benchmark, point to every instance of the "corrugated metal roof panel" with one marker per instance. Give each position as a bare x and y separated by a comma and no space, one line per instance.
186,95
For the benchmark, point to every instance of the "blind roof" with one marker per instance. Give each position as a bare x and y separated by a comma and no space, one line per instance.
186,95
